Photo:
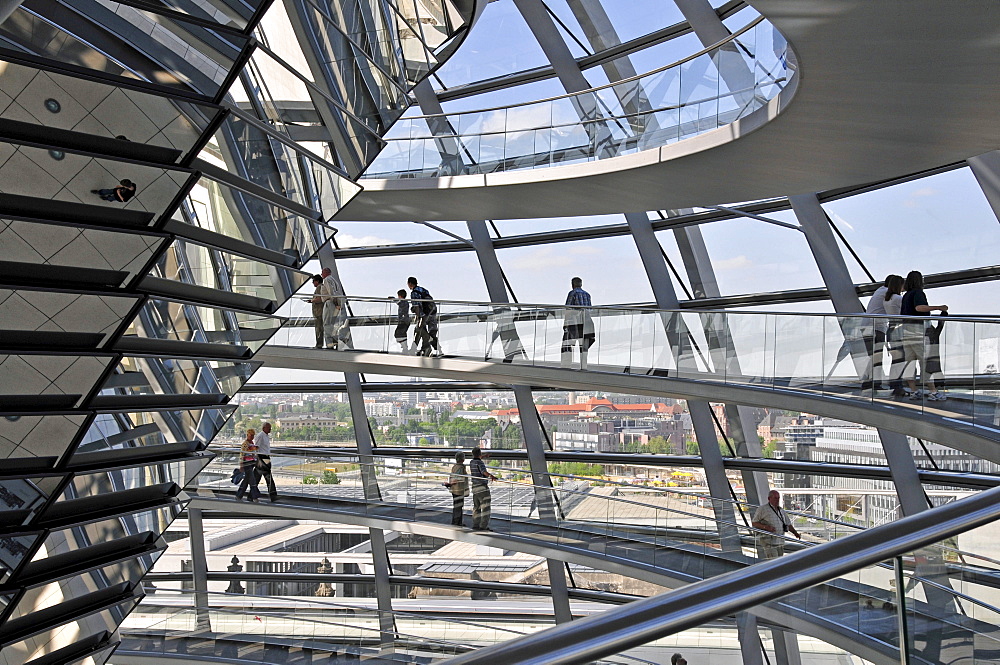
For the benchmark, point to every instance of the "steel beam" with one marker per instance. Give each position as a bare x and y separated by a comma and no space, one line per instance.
534,442
833,268
986,169
199,568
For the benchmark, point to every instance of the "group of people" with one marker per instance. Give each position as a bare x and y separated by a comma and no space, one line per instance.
329,310
255,464
908,343
458,484
418,308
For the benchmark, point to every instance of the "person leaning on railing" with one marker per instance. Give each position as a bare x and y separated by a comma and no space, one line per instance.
915,342
481,497
458,485
317,308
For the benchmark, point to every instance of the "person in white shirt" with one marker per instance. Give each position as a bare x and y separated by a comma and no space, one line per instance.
335,329
263,443
772,519
886,300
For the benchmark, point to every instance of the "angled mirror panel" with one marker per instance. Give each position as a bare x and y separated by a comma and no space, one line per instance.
142,432
221,209
95,625
75,178
125,42
48,99
190,263
181,322
37,381
125,478
42,597
51,320
98,258
22,498
375,95
14,549
82,536
39,440
177,376
278,165
234,14
289,102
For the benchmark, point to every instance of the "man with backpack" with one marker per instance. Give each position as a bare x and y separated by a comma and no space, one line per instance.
426,319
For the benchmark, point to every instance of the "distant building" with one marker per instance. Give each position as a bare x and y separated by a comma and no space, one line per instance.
324,420
586,436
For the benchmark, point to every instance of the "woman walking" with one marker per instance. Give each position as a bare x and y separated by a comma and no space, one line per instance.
248,464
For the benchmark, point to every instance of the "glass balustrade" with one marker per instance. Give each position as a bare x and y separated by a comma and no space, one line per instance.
816,355
255,629
701,93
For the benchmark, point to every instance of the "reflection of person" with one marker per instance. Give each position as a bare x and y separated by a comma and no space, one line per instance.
402,321
914,334
426,325
317,309
458,485
481,497
578,327
335,330
771,518
263,443
123,193
506,332
248,464
885,301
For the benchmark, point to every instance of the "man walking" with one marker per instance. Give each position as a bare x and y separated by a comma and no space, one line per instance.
263,443
480,491
578,326
771,518
425,310
317,309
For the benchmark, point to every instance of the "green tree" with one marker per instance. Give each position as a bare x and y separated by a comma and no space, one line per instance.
330,477
310,480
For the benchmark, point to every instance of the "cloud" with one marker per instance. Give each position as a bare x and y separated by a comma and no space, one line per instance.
539,260
911,200
736,263
585,250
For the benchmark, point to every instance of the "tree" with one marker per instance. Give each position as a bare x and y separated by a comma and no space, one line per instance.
330,477
310,480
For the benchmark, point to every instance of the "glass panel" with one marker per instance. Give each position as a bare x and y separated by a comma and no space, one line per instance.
167,52
166,320
75,178
120,256
98,109
221,209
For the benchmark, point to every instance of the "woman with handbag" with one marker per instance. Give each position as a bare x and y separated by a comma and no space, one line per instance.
248,465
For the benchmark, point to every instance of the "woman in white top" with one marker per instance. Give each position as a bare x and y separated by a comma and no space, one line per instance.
886,300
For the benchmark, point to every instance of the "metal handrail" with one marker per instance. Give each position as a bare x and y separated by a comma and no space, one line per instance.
707,49
643,621
552,307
